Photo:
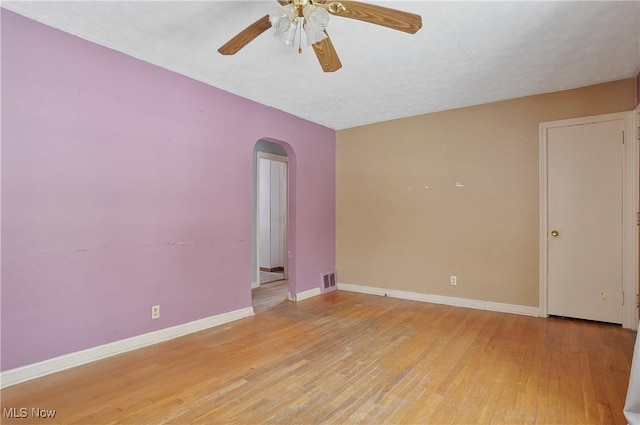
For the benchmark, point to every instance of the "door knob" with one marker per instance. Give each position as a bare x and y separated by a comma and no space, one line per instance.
554,233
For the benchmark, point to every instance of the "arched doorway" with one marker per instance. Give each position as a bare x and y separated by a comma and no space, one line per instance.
273,224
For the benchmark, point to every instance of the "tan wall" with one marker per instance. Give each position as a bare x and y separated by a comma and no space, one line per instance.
486,233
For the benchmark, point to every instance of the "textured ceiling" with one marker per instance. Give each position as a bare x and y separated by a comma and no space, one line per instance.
467,53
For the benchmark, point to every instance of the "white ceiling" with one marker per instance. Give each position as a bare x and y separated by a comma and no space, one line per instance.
466,53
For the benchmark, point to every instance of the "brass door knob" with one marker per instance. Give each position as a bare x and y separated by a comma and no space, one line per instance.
554,233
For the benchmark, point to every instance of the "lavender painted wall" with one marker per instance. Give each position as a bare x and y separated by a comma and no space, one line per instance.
125,185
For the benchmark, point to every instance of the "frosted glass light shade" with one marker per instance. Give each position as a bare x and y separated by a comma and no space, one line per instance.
284,20
315,21
286,32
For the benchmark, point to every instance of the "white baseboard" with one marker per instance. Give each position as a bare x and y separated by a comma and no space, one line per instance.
441,299
308,294
67,361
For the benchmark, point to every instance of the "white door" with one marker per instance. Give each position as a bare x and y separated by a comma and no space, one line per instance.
271,226
584,222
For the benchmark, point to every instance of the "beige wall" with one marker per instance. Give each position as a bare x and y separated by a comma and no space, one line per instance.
486,233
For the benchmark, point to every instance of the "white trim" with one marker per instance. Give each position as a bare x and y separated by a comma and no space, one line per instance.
67,361
629,211
441,299
542,155
257,234
308,294
272,156
630,220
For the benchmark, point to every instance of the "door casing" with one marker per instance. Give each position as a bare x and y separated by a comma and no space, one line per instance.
629,214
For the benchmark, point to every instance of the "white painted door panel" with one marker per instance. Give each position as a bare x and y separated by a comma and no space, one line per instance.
584,175
264,212
278,212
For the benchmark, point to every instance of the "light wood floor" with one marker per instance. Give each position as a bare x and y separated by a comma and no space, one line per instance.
353,358
269,295
270,276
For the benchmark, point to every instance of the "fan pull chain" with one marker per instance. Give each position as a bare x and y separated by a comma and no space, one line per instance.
300,37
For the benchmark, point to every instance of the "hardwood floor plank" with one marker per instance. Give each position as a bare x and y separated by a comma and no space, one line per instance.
588,393
353,358
269,294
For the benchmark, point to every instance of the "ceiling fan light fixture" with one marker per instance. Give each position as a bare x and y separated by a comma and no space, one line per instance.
315,22
286,32
285,21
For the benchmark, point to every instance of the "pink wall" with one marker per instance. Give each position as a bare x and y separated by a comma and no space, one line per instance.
125,185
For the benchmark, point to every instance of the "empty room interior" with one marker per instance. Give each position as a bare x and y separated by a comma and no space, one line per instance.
319,212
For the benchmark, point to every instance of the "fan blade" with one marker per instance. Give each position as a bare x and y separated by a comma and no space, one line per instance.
326,54
284,2
390,18
245,36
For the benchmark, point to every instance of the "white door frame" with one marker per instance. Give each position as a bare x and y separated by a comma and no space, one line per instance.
629,213
279,158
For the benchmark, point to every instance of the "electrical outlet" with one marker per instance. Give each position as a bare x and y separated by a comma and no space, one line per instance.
454,280
155,312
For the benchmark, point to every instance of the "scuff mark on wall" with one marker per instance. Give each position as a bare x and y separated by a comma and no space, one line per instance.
93,248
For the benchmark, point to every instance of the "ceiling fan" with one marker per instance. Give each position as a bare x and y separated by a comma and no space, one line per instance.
313,16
